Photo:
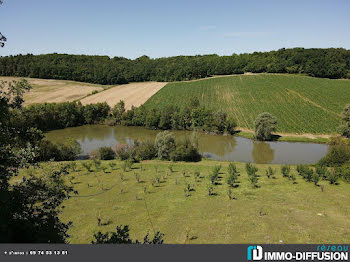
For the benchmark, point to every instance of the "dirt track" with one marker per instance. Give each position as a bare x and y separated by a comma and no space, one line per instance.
133,94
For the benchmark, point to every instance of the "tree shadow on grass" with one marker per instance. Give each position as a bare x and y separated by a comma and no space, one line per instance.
275,137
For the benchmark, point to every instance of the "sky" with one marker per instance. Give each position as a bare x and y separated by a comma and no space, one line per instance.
156,28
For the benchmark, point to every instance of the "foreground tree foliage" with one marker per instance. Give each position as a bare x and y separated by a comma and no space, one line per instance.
122,236
2,37
265,124
329,63
30,208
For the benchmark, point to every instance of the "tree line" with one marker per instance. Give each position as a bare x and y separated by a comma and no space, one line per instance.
50,116
327,63
193,116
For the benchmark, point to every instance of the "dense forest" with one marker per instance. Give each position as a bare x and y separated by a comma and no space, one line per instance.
328,63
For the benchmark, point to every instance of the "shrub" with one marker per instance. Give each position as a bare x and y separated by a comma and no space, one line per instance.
338,140
251,169
103,168
337,155
285,170
145,151
333,175
315,178
69,150
164,144
112,165
197,175
66,151
124,165
214,175
231,179
138,177
129,163
305,172
124,151
73,166
293,178
265,124
270,172
321,171
48,151
210,189
94,154
346,173
232,169
87,165
106,153
97,164
308,174
232,174
185,151
253,178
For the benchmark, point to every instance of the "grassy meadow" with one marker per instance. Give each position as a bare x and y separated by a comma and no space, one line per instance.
278,211
302,104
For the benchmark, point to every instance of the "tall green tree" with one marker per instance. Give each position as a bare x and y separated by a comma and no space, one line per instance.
118,111
165,144
265,124
345,126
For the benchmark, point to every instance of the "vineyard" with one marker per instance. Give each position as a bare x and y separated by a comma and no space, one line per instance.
302,104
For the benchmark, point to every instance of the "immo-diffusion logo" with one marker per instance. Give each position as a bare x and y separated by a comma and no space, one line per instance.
323,253
255,253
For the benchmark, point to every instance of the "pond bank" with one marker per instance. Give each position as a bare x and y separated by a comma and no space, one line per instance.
282,137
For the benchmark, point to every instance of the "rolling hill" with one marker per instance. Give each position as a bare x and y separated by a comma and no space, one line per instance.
302,104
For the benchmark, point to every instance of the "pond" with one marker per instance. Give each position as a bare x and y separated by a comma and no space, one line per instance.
216,147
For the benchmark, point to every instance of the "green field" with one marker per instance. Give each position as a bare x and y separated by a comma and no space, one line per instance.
302,104
276,211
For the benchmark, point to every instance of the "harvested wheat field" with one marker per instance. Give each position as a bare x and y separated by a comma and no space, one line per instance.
50,90
134,94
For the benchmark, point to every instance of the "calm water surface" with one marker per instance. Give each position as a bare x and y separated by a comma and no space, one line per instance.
217,147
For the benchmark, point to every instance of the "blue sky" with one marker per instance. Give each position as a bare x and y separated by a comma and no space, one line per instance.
155,28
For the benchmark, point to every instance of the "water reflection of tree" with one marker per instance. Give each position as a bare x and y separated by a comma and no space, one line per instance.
262,153
218,145
128,134
95,132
